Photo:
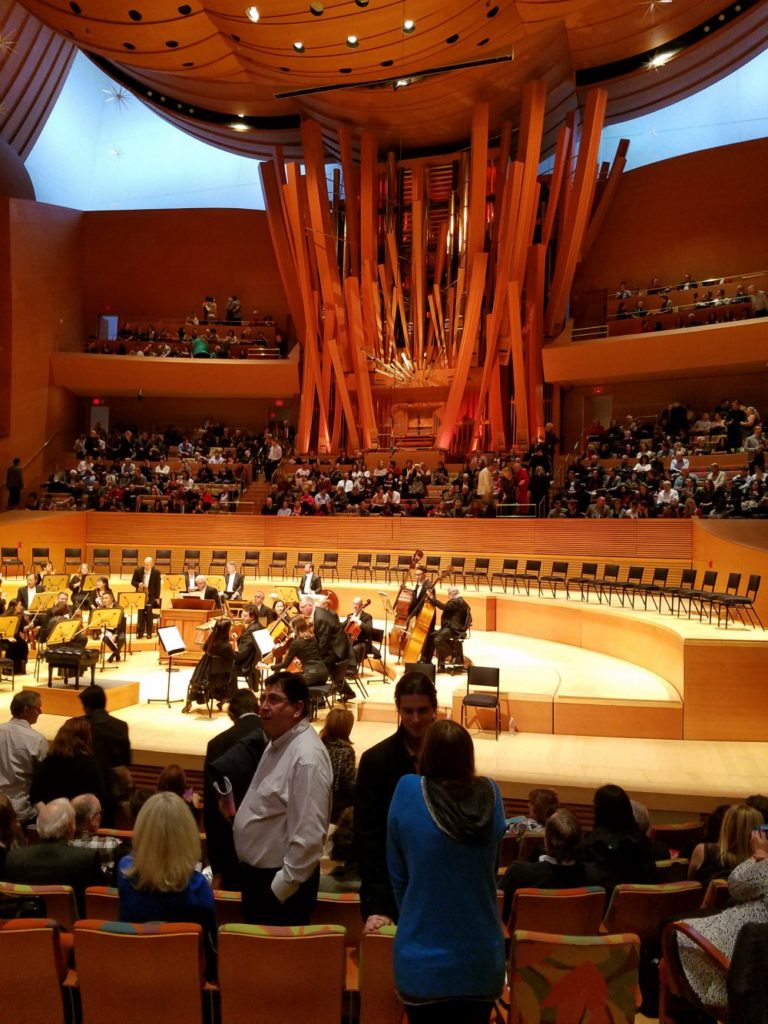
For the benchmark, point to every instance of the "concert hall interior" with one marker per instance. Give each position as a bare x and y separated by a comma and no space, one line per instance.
440,269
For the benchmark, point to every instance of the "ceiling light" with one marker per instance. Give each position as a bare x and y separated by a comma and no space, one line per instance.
252,14
238,126
298,47
316,8
353,41
409,25
658,60
401,83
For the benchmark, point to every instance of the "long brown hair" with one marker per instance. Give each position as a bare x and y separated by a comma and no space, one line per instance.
447,753
73,739
10,830
338,725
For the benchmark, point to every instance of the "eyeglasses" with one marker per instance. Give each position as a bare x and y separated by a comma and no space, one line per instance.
274,699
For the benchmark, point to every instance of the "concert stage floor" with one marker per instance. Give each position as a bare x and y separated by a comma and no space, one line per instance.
673,776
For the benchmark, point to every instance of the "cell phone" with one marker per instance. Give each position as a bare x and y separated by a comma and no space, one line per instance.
762,828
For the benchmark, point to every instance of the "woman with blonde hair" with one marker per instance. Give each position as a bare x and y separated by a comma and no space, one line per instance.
335,735
717,860
160,879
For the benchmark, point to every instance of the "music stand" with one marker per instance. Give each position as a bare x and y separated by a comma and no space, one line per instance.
9,625
104,619
42,602
55,583
131,600
172,643
64,632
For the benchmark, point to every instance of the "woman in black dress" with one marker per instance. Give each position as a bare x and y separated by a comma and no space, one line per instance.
212,678
305,648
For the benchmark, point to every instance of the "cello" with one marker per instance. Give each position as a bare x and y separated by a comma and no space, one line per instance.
398,636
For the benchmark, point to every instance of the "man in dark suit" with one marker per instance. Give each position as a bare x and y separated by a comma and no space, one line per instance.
111,745
52,861
146,580
233,754
455,620
362,644
234,582
248,651
264,614
206,592
334,644
381,768
310,582
420,591
27,594
558,868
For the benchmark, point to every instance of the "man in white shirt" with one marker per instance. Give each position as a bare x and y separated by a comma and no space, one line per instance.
280,827
310,582
21,749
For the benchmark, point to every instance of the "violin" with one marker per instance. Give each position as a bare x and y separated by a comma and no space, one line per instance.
353,624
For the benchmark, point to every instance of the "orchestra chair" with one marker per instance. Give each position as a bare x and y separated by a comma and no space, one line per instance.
576,911
102,559
741,603
383,565
678,838
329,566
33,969
278,974
192,558
687,583
674,870
228,907
698,595
218,561
677,999
573,977
401,571
251,561
626,590
41,555
129,559
608,582
102,903
163,559
716,896
363,565
457,569
506,574
479,571
379,1002
73,558
301,560
530,574
278,564
557,578
157,966
656,589
9,557
427,668
433,563
487,679
587,578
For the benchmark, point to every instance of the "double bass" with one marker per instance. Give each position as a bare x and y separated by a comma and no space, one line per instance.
397,637
422,624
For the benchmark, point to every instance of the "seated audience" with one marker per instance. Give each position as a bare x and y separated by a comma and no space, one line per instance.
541,804
87,823
717,860
11,834
615,846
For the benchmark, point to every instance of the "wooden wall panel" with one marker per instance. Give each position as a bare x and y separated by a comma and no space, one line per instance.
54,530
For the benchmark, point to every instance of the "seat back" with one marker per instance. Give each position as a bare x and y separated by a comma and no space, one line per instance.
279,558
426,668
458,562
660,574
58,900
709,580
483,677
559,911
611,573
252,558
41,554
559,569
717,896
688,579
13,553
635,575
753,585
218,558
121,966
365,557
331,558
573,977
341,908
533,566
481,565
101,556
102,903
383,561
643,909
673,870
129,558
734,582
433,563
228,907
32,968
509,565
379,1002
72,556
679,837
588,570
288,974
163,558
303,557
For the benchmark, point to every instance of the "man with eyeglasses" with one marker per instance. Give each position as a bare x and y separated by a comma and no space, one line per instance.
281,825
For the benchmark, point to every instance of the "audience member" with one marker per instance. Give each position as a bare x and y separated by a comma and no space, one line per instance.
87,823
70,767
111,746
11,834
335,735
616,847
22,749
718,859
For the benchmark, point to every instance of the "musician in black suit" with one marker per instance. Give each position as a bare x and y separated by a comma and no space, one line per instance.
114,639
264,614
27,594
234,582
420,590
148,581
310,582
190,575
331,639
248,652
455,620
206,592
362,644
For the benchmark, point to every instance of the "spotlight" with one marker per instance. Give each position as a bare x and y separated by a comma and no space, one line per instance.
252,14
409,25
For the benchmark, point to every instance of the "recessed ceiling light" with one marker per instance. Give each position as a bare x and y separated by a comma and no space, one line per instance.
252,14
361,3
409,25
353,41
239,127
316,8
298,47
658,60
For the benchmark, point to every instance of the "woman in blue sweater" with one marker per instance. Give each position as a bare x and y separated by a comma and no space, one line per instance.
443,832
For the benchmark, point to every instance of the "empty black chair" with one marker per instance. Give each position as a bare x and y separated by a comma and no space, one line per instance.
682,590
10,556
163,559
716,599
251,561
72,557
627,589
744,604
457,569
278,564
192,558
400,571
529,575
556,578
362,566
655,589
427,668
479,571
698,596
608,582
41,555
218,561
587,578
432,563
102,559
482,692
506,575
382,564
129,559
330,565
301,560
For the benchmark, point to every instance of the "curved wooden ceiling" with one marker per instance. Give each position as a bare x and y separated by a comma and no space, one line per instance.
205,66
